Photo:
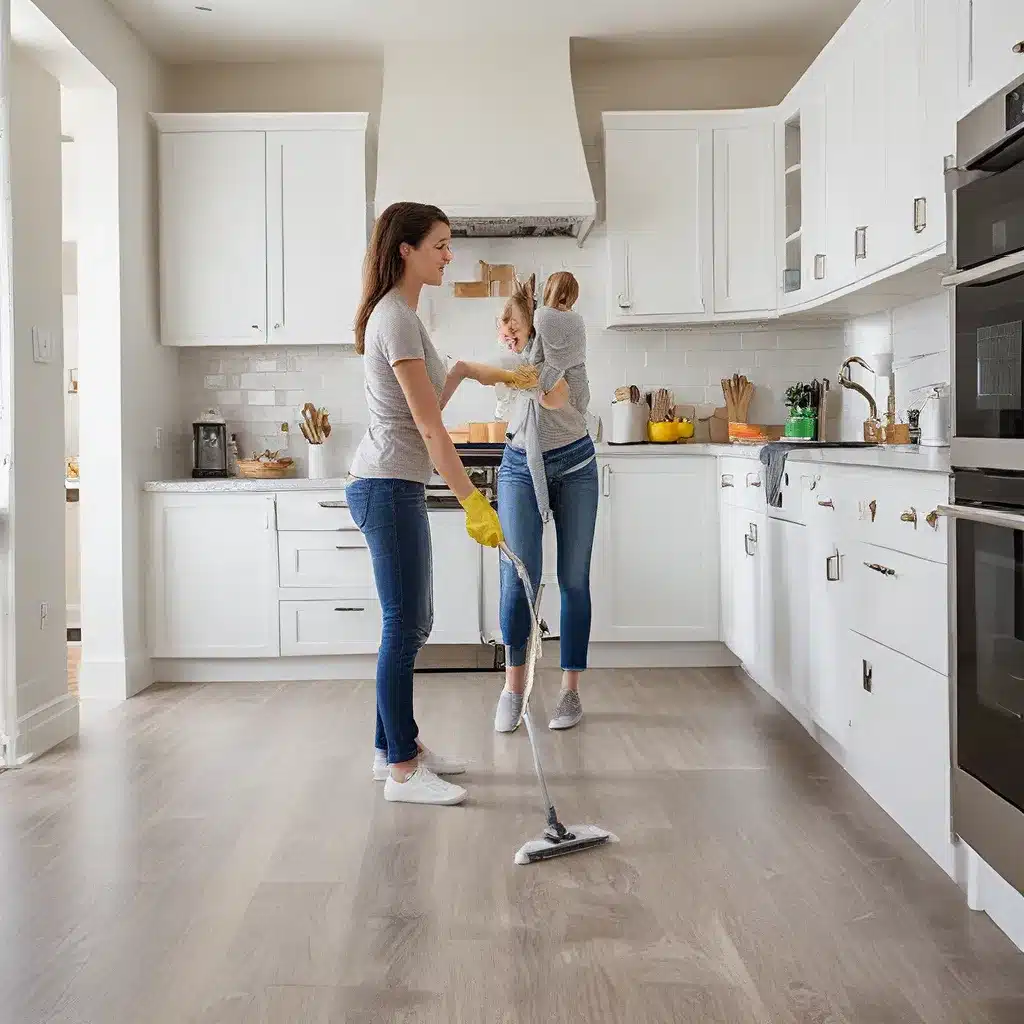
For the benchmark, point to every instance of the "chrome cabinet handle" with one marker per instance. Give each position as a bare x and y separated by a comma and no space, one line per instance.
606,480
828,568
1018,47
910,516
860,243
756,482
819,267
748,543
920,214
727,480
867,675
624,303
343,609
752,534
883,569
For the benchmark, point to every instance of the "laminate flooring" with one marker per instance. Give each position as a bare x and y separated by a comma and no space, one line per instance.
219,855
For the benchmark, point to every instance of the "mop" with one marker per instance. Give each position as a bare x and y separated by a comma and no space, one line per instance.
556,840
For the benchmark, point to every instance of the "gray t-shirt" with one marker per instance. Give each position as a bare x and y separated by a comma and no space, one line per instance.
392,447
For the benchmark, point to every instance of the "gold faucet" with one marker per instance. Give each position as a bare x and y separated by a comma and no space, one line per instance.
846,381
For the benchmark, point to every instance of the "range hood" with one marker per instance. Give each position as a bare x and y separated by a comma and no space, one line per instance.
488,136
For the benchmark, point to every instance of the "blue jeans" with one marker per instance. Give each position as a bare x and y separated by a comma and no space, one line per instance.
392,515
573,494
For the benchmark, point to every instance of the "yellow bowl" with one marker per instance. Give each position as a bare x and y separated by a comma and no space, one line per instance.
662,433
685,430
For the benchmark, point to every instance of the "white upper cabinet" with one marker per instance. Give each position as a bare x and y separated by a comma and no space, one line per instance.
262,227
990,33
744,213
691,216
653,197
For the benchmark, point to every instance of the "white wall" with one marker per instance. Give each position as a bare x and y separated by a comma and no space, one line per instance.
914,341
129,383
46,714
258,388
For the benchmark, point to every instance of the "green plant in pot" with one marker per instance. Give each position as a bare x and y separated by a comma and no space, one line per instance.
802,420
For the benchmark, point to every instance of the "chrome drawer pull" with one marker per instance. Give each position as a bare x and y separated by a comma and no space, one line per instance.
727,480
350,609
828,568
884,570
333,504
827,503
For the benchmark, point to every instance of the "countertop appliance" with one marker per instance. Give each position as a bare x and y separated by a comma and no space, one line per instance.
986,226
629,423
210,447
986,229
933,419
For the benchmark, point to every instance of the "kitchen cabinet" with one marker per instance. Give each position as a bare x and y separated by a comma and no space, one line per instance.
990,31
690,208
655,567
654,189
745,613
262,227
212,576
840,164
787,611
457,579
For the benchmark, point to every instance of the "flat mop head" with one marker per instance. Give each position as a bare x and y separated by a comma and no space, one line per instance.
577,837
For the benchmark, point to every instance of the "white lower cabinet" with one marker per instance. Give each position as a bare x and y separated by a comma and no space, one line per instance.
655,564
212,576
787,612
322,628
744,585
898,748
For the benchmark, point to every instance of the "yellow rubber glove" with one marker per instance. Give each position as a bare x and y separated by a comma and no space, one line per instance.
482,521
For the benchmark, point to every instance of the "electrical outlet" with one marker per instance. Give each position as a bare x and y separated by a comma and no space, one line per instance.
44,613
42,345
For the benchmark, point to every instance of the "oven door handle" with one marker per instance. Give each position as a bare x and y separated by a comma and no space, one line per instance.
988,516
994,270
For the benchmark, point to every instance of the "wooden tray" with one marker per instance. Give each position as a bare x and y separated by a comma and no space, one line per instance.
254,469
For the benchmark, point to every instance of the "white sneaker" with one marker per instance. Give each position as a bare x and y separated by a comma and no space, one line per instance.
437,763
509,712
423,787
568,711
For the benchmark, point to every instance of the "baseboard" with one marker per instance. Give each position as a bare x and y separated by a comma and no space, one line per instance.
989,893
364,666
44,728
102,680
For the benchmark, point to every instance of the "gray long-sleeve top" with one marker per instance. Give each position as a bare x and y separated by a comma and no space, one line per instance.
559,350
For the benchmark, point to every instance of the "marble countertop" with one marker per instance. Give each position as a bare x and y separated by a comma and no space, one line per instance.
920,460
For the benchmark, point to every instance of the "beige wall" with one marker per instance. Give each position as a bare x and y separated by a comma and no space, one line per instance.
45,713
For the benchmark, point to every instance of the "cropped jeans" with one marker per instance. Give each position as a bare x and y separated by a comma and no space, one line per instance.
392,516
573,494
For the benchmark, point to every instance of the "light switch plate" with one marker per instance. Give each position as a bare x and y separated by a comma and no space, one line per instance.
42,345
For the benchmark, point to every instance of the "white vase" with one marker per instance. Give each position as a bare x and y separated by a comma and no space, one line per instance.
316,463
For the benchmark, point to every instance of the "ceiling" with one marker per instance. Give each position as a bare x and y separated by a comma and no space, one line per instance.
275,29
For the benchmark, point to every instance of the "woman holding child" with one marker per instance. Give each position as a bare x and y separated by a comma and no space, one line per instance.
549,470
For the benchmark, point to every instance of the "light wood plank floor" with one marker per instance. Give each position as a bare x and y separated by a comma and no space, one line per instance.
219,855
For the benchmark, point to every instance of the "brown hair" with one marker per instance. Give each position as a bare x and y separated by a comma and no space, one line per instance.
400,223
561,289
523,301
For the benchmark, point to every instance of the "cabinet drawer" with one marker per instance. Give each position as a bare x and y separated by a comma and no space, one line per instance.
900,601
306,512
892,510
339,560
741,482
899,744
330,627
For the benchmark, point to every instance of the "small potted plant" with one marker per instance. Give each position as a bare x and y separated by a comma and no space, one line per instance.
802,420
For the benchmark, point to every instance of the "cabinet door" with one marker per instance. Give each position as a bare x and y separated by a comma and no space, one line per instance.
457,580
787,610
744,218
869,237
840,172
654,195
316,227
748,612
213,576
213,238
828,699
814,278
659,571
993,28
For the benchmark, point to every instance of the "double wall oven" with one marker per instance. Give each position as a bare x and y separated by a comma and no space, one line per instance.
986,219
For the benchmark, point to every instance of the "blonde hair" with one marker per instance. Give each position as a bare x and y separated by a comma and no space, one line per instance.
521,302
561,289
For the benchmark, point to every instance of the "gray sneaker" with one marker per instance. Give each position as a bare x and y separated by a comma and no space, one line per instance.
568,711
509,712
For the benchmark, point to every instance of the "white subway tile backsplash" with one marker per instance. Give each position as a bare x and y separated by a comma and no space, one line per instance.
261,397
229,398
215,382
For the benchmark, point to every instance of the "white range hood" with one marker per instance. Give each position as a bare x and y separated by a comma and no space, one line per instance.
490,137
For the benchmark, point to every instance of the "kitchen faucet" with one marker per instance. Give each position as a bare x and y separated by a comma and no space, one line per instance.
847,382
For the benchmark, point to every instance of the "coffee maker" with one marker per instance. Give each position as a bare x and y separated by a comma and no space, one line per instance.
210,446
